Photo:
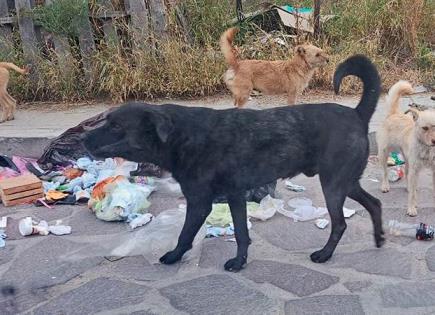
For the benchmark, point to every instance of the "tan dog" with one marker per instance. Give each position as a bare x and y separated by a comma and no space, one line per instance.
414,134
7,102
270,77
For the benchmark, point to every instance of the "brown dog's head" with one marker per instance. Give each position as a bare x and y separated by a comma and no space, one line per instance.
137,132
312,55
424,126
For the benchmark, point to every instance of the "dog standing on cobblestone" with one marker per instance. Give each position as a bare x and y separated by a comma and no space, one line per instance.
215,153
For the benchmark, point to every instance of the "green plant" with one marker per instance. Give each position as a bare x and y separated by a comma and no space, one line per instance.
64,17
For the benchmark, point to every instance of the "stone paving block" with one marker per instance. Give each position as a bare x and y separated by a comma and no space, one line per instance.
7,253
138,268
215,253
409,294
218,294
357,286
286,234
292,278
325,304
381,261
41,265
93,297
430,258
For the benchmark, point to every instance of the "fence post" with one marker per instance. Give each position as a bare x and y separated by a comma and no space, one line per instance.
110,34
139,21
87,46
158,17
27,30
5,29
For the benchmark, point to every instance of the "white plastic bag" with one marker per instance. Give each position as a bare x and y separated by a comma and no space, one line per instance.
267,209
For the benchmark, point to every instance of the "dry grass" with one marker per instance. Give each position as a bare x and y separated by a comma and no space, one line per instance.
397,34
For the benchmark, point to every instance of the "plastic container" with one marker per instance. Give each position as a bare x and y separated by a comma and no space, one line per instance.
395,173
420,231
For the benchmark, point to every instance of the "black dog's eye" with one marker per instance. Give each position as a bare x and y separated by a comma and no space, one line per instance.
425,128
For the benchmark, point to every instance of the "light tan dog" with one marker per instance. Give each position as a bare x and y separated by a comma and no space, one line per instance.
414,134
270,77
7,102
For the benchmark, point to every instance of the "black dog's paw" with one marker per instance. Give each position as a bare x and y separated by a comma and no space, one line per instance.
379,240
320,256
170,257
235,264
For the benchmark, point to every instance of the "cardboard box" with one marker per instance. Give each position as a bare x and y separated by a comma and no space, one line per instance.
20,190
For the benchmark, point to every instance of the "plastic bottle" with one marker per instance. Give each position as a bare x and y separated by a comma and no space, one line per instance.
398,158
395,173
420,231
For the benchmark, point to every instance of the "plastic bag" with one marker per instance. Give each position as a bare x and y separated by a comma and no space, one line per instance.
152,240
122,200
267,208
69,147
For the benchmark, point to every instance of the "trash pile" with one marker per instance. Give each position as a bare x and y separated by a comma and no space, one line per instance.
396,166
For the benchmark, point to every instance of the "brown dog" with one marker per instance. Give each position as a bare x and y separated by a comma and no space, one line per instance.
7,102
270,77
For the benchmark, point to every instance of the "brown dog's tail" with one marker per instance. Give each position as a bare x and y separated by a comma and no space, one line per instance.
11,66
226,43
395,93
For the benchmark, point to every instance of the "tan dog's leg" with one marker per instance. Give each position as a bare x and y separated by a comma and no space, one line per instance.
383,160
412,190
4,106
12,107
291,97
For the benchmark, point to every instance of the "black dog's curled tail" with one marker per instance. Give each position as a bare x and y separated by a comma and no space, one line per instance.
363,68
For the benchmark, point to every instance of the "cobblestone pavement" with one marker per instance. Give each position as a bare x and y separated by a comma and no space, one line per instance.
279,277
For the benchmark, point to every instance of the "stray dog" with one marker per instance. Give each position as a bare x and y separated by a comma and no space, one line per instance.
225,152
270,77
414,135
7,102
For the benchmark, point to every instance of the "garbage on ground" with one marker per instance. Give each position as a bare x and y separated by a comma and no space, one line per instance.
293,187
27,226
395,173
305,211
220,223
321,223
420,231
120,200
158,237
20,189
141,220
68,147
395,158
3,236
3,222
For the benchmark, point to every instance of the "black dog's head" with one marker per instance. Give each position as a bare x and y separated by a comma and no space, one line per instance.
136,131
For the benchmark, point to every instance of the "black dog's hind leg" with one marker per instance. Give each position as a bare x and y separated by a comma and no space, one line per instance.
238,213
334,196
373,206
197,212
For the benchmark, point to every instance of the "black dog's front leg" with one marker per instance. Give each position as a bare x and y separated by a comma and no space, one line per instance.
197,212
238,212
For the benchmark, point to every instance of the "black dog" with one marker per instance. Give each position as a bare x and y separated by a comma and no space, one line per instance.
225,152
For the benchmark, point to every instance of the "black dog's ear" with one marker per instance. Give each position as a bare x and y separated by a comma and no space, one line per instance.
163,125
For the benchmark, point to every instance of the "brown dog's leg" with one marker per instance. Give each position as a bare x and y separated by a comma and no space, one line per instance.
291,97
412,191
4,106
